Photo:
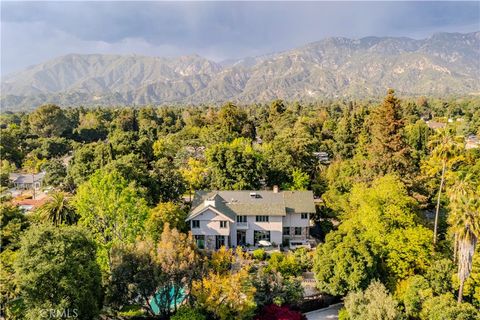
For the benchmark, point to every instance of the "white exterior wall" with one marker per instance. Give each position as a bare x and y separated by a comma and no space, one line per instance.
274,225
210,224
295,220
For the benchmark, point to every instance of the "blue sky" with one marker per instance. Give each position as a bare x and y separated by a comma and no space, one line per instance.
33,32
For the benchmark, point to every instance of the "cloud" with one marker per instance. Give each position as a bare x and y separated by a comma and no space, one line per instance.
33,32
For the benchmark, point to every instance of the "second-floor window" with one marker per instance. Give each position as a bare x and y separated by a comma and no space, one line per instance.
261,218
286,231
195,224
298,231
304,215
223,224
241,218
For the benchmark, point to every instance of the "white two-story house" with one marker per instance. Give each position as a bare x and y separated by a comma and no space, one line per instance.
239,218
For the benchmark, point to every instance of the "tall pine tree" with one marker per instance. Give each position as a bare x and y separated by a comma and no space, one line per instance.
389,153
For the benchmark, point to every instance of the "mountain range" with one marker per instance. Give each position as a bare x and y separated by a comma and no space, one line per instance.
441,65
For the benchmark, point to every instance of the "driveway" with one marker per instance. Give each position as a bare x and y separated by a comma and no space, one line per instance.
328,313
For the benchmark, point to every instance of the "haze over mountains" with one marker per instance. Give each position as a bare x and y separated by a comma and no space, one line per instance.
444,64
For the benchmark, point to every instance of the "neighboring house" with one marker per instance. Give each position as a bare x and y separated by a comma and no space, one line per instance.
472,142
241,218
25,181
28,205
435,125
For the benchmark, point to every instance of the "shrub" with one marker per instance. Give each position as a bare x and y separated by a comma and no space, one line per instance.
372,304
188,313
275,312
445,307
259,254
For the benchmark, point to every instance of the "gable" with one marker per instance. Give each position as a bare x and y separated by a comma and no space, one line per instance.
209,213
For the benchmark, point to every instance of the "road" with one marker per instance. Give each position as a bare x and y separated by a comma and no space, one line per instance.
326,313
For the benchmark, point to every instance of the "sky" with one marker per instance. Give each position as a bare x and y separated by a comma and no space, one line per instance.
34,32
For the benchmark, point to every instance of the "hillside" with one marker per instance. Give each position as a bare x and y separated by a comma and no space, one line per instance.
444,64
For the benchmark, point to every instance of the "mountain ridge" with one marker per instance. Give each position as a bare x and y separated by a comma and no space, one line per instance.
443,64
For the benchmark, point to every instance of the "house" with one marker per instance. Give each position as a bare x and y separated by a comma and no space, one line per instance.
27,205
435,125
25,181
472,142
242,218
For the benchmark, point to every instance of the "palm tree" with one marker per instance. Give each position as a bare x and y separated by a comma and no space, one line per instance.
464,220
58,210
445,147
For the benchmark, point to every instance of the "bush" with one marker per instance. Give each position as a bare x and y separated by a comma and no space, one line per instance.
285,264
343,314
445,307
259,254
372,304
304,258
188,313
274,312
413,292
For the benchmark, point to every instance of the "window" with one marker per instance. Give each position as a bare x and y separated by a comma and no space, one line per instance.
241,218
261,218
304,215
261,235
286,231
195,224
219,242
298,231
223,224
200,240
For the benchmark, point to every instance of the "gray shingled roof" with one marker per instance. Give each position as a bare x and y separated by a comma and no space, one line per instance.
26,178
233,203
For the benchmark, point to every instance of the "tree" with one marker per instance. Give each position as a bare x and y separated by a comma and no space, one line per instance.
235,122
229,296
12,223
439,276
178,257
344,263
286,264
57,273
91,127
344,136
112,209
170,185
300,180
55,173
188,313
272,287
163,213
235,166
389,152
134,274
33,165
445,148
464,220
158,274
5,169
48,121
375,303
58,210
194,174
413,292
444,307
9,145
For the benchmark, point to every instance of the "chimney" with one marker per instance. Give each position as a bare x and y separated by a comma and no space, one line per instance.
275,189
